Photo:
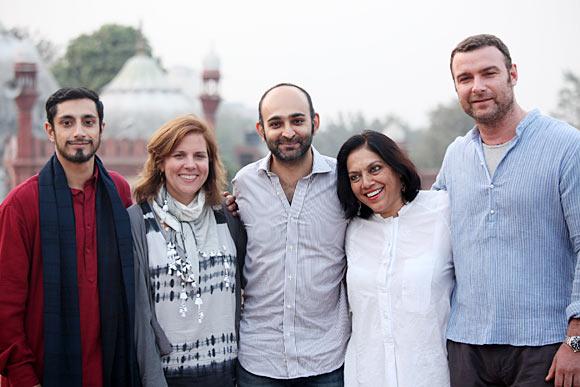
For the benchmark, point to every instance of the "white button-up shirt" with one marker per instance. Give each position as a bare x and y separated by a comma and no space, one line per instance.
400,277
295,319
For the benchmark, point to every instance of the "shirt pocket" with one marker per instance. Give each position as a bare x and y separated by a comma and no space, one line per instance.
417,275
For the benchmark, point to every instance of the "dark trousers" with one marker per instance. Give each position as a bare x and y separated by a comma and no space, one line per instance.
499,365
331,379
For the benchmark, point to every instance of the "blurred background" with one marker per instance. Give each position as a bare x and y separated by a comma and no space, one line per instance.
381,65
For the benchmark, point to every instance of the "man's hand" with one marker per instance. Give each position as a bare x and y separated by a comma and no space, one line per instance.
231,204
565,369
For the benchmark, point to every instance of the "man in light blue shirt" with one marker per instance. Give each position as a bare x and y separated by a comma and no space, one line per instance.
514,185
294,326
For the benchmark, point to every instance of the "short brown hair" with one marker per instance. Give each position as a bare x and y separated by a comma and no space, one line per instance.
160,146
479,41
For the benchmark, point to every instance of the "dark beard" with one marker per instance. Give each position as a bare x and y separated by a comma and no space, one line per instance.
293,157
80,157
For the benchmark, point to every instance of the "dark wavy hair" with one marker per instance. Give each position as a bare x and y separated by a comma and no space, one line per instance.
70,93
391,154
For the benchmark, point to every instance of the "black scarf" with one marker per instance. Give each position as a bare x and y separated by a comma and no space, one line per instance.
62,336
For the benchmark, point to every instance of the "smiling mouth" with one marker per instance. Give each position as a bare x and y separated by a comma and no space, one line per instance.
374,193
188,177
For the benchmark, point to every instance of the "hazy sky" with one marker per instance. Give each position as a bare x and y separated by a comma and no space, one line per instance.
376,57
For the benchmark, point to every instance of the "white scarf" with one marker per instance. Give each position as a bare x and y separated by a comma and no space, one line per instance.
193,225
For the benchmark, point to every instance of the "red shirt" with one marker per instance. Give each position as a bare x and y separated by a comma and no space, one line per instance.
21,282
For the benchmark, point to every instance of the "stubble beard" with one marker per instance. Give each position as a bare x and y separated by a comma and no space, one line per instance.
294,156
502,108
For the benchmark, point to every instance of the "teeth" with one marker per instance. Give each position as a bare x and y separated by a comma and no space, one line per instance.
374,193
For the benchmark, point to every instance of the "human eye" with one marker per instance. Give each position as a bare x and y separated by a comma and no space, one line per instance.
298,121
177,155
375,169
354,178
67,123
201,156
275,124
463,79
89,122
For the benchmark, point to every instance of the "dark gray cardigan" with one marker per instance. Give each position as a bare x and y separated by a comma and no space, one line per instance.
154,342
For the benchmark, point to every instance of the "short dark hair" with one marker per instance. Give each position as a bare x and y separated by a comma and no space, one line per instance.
310,106
479,41
70,93
392,155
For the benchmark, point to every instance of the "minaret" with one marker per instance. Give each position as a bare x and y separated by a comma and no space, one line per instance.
25,82
210,97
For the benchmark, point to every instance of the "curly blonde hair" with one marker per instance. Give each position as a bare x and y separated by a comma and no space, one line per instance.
160,146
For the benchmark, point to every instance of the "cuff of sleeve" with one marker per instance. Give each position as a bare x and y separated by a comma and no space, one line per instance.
573,310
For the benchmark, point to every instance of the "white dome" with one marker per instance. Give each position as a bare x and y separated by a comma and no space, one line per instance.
140,99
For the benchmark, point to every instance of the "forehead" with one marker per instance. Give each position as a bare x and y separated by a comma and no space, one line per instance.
192,142
475,60
361,157
76,108
284,101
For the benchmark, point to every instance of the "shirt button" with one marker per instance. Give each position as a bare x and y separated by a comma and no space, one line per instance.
289,277
492,212
491,186
289,306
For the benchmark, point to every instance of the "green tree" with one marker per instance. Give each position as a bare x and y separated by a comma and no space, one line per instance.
446,122
93,60
569,100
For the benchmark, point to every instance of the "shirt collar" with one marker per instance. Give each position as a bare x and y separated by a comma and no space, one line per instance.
522,126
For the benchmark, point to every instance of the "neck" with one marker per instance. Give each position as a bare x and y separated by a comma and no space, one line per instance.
291,172
503,130
77,174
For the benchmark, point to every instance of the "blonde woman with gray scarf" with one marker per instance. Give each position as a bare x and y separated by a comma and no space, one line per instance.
187,283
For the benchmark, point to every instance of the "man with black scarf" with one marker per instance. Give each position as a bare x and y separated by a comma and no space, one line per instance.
66,261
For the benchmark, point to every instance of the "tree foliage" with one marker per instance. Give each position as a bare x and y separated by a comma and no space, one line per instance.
330,138
93,60
569,100
446,122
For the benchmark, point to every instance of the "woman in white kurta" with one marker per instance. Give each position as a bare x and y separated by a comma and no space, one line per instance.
400,273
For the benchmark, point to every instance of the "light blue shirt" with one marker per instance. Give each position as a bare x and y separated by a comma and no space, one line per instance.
515,235
295,319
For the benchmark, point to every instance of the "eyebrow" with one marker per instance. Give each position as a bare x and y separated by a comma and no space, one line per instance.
293,115
70,116
465,73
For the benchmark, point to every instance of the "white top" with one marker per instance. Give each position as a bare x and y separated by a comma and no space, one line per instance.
399,282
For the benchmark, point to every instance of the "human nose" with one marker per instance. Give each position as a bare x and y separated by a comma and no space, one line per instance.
79,130
190,163
288,131
478,85
366,180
